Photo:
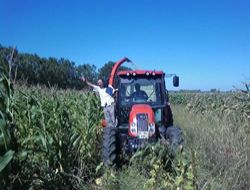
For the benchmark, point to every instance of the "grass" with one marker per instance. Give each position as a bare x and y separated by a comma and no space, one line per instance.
223,149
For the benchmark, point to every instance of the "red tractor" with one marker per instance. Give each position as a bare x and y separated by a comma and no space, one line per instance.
142,111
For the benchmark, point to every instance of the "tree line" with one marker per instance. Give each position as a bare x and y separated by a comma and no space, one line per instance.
32,69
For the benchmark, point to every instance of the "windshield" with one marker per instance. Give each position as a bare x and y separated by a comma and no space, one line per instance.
140,90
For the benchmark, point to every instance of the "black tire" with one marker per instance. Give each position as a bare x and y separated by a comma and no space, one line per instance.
110,147
168,116
175,137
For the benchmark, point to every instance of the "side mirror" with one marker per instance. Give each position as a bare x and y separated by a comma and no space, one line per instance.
176,81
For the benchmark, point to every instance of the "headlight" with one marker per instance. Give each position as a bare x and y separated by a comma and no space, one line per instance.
151,129
133,127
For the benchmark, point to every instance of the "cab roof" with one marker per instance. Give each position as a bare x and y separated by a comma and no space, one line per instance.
140,72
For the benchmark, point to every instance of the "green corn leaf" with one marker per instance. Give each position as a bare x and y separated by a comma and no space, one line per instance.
5,159
4,134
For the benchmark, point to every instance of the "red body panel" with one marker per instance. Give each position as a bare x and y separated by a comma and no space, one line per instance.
114,69
141,108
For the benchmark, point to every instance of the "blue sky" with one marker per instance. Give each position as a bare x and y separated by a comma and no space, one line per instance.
205,42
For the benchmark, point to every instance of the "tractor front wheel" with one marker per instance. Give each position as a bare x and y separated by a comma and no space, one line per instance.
110,146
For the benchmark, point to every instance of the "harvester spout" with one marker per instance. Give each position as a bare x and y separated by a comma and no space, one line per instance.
115,68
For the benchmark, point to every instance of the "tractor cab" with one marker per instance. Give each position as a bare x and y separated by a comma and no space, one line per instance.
142,107
143,88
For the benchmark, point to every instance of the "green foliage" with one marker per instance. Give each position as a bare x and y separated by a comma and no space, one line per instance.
63,73
6,114
233,107
58,136
216,126
5,55
32,70
7,140
153,167
88,71
180,98
5,159
163,170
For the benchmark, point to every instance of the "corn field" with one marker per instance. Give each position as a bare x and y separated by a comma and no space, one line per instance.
51,139
217,127
235,104
53,134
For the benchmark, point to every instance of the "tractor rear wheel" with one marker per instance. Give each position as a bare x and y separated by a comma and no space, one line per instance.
110,146
168,116
175,137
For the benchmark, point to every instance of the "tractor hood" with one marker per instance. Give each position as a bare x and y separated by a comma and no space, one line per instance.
141,121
